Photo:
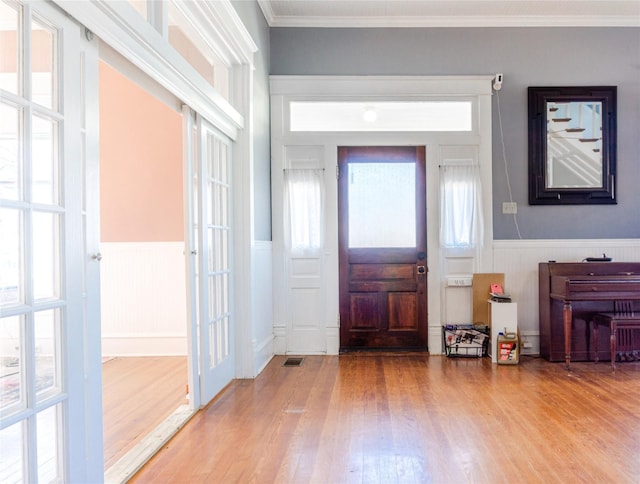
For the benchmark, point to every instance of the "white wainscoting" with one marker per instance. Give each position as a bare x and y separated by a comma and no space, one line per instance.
518,260
262,301
143,299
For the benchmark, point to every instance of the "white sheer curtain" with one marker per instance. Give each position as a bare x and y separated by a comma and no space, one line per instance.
461,224
304,196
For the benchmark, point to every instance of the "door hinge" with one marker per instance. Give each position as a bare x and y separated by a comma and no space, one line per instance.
337,172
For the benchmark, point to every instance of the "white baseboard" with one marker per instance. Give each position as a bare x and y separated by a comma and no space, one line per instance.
279,340
435,340
262,354
532,338
333,340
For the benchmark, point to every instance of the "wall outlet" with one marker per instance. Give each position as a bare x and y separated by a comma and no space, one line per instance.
526,344
509,207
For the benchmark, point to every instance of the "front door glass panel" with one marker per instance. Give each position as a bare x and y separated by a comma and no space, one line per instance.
382,205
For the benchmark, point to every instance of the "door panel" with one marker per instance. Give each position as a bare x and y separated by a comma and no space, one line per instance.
50,400
382,245
217,367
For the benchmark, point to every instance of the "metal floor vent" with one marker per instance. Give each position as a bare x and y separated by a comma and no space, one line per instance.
293,362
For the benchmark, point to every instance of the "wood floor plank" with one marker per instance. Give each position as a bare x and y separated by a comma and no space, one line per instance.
138,393
370,418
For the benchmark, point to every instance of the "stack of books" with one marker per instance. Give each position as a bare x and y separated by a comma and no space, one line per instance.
498,295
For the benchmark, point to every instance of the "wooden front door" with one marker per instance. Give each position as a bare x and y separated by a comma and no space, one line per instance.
383,248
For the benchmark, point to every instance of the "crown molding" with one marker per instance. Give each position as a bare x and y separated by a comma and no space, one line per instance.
444,13
267,11
449,21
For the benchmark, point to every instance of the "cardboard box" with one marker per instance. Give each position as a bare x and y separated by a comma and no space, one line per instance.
481,287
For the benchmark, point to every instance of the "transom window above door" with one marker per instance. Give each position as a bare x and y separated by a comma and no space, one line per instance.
440,115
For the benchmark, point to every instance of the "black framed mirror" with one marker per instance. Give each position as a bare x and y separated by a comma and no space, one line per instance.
572,145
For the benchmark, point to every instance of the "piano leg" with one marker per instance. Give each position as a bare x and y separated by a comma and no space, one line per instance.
567,313
612,343
596,358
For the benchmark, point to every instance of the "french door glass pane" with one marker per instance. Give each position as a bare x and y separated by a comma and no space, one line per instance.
213,306
11,280
45,161
11,454
213,160
211,204
225,293
43,58
11,371
46,249
224,166
223,252
10,49
213,358
224,205
212,155
9,163
47,345
211,248
382,206
48,452
217,205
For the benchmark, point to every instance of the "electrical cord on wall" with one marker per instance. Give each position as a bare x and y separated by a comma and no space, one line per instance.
504,158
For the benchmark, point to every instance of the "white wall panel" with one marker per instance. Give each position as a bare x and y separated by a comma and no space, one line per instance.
143,299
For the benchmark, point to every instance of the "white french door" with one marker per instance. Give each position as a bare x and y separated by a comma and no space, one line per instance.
45,429
209,243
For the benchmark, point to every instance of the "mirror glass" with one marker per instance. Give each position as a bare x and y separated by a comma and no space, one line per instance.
574,144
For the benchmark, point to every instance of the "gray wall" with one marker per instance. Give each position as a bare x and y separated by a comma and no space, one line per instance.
253,20
526,57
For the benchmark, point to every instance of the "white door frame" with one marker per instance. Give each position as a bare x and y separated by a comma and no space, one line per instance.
123,29
321,148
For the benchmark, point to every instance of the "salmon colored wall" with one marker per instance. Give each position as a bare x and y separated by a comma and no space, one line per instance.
40,51
140,164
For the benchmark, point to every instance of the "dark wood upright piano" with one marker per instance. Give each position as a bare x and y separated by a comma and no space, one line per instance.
570,293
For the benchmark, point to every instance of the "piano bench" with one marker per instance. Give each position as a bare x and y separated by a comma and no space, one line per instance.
615,321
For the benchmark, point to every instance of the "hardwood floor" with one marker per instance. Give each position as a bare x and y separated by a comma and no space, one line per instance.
371,418
137,395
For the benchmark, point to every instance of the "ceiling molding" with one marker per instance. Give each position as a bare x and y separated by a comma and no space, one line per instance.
417,22
436,13
454,21
267,11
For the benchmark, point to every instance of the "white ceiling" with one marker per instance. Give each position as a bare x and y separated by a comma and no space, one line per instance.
451,13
